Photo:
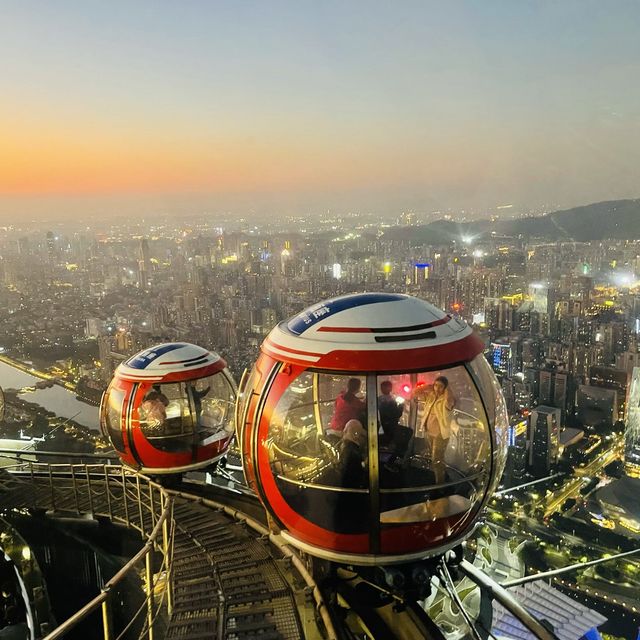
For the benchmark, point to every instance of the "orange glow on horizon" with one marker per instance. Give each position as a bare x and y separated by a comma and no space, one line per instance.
83,160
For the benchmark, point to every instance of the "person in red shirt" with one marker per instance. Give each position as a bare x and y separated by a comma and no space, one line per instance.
348,406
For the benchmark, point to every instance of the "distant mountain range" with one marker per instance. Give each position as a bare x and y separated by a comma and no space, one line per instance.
616,219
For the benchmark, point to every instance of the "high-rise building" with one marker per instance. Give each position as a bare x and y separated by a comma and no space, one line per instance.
610,378
553,387
539,296
544,439
545,388
515,470
632,428
94,327
501,358
597,406
143,264
469,440
560,390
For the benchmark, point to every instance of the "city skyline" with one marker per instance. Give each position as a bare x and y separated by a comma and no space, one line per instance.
283,109
558,322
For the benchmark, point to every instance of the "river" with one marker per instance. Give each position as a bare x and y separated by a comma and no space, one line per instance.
56,398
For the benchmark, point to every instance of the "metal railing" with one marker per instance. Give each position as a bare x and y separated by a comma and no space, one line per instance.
103,598
494,591
126,497
129,498
123,497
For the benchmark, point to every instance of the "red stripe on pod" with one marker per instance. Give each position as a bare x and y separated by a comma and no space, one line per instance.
428,325
418,536
175,376
378,360
270,344
346,329
165,364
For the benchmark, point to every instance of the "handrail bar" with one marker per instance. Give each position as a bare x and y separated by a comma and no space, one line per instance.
486,584
500,594
419,489
67,454
90,607
58,467
533,577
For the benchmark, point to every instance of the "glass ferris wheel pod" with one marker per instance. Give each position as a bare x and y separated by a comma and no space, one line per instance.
170,409
373,429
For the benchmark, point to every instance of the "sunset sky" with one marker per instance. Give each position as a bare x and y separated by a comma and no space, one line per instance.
138,107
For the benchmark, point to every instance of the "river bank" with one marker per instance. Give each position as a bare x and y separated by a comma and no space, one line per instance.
60,398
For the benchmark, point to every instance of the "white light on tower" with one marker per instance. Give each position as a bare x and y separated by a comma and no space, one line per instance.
337,271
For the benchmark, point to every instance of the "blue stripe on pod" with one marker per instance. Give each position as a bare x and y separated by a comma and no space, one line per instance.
144,359
324,310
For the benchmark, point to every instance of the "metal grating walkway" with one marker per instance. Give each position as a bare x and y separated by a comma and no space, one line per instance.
226,582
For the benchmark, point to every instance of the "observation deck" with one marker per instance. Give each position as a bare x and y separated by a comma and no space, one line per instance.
208,571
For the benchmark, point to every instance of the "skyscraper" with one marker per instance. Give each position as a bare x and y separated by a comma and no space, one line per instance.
597,406
632,430
545,427
516,467
143,264
501,358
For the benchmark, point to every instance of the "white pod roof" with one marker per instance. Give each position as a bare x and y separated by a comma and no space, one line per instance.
373,332
169,362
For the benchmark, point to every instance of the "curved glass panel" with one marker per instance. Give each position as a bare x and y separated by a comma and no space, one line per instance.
317,446
181,416
213,402
497,410
165,417
434,445
113,417
248,384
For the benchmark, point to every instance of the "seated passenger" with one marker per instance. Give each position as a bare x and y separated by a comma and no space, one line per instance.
352,455
348,406
153,411
390,409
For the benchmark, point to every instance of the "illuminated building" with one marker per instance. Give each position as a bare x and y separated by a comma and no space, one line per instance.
499,313
421,271
469,441
545,441
632,429
610,378
539,296
501,358
94,327
516,468
143,264
596,406
523,394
